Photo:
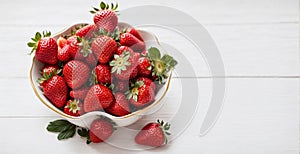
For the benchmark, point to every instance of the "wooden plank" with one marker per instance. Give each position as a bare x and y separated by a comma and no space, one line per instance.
259,116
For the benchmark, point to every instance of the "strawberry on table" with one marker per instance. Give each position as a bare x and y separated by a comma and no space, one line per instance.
99,97
76,73
45,48
133,42
104,48
73,108
120,106
101,129
55,88
105,18
153,134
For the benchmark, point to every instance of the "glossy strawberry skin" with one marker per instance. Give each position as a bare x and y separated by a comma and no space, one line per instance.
56,90
144,67
131,41
100,130
121,49
103,73
78,112
135,33
147,82
104,48
72,39
63,54
86,31
145,96
46,51
120,107
49,69
151,135
106,19
79,93
61,42
76,73
99,97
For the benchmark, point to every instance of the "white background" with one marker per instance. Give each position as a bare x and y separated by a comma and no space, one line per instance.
257,39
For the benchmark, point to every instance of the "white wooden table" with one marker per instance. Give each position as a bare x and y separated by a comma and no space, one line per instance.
258,41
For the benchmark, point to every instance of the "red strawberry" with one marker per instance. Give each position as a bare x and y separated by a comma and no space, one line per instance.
73,108
100,130
131,41
141,94
55,89
45,48
86,31
63,53
79,93
120,106
50,69
135,33
147,82
121,49
104,48
76,73
124,66
61,42
72,39
99,97
153,134
103,73
105,18
144,67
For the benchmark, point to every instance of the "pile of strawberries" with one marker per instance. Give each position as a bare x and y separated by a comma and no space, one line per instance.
100,67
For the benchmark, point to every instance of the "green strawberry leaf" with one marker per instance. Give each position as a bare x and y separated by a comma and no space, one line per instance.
59,126
154,53
67,133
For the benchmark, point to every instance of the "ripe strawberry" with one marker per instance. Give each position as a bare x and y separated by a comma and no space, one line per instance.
135,33
120,106
105,18
63,53
131,41
124,66
103,74
72,39
122,49
55,89
61,42
153,134
101,129
50,69
99,97
144,67
86,31
45,48
73,108
147,82
141,94
79,93
104,48
76,73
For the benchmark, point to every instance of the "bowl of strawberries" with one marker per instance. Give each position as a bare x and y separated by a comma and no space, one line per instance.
107,68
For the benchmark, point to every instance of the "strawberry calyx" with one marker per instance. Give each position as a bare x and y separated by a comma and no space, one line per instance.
35,40
164,127
161,65
48,75
115,34
134,90
73,106
85,46
120,62
74,30
105,6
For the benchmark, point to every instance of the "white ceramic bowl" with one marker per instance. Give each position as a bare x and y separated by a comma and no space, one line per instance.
86,119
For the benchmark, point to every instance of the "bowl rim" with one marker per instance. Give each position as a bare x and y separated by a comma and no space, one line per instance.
61,113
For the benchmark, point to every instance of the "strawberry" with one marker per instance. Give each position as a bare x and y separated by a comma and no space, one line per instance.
160,65
61,42
79,93
86,31
144,67
144,53
99,97
76,73
134,32
55,89
72,39
104,48
120,106
73,108
124,66
103,73
63,53
122,49
147,82
45,48
131,41
141,94
105,18
50,69
153,134
101,129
